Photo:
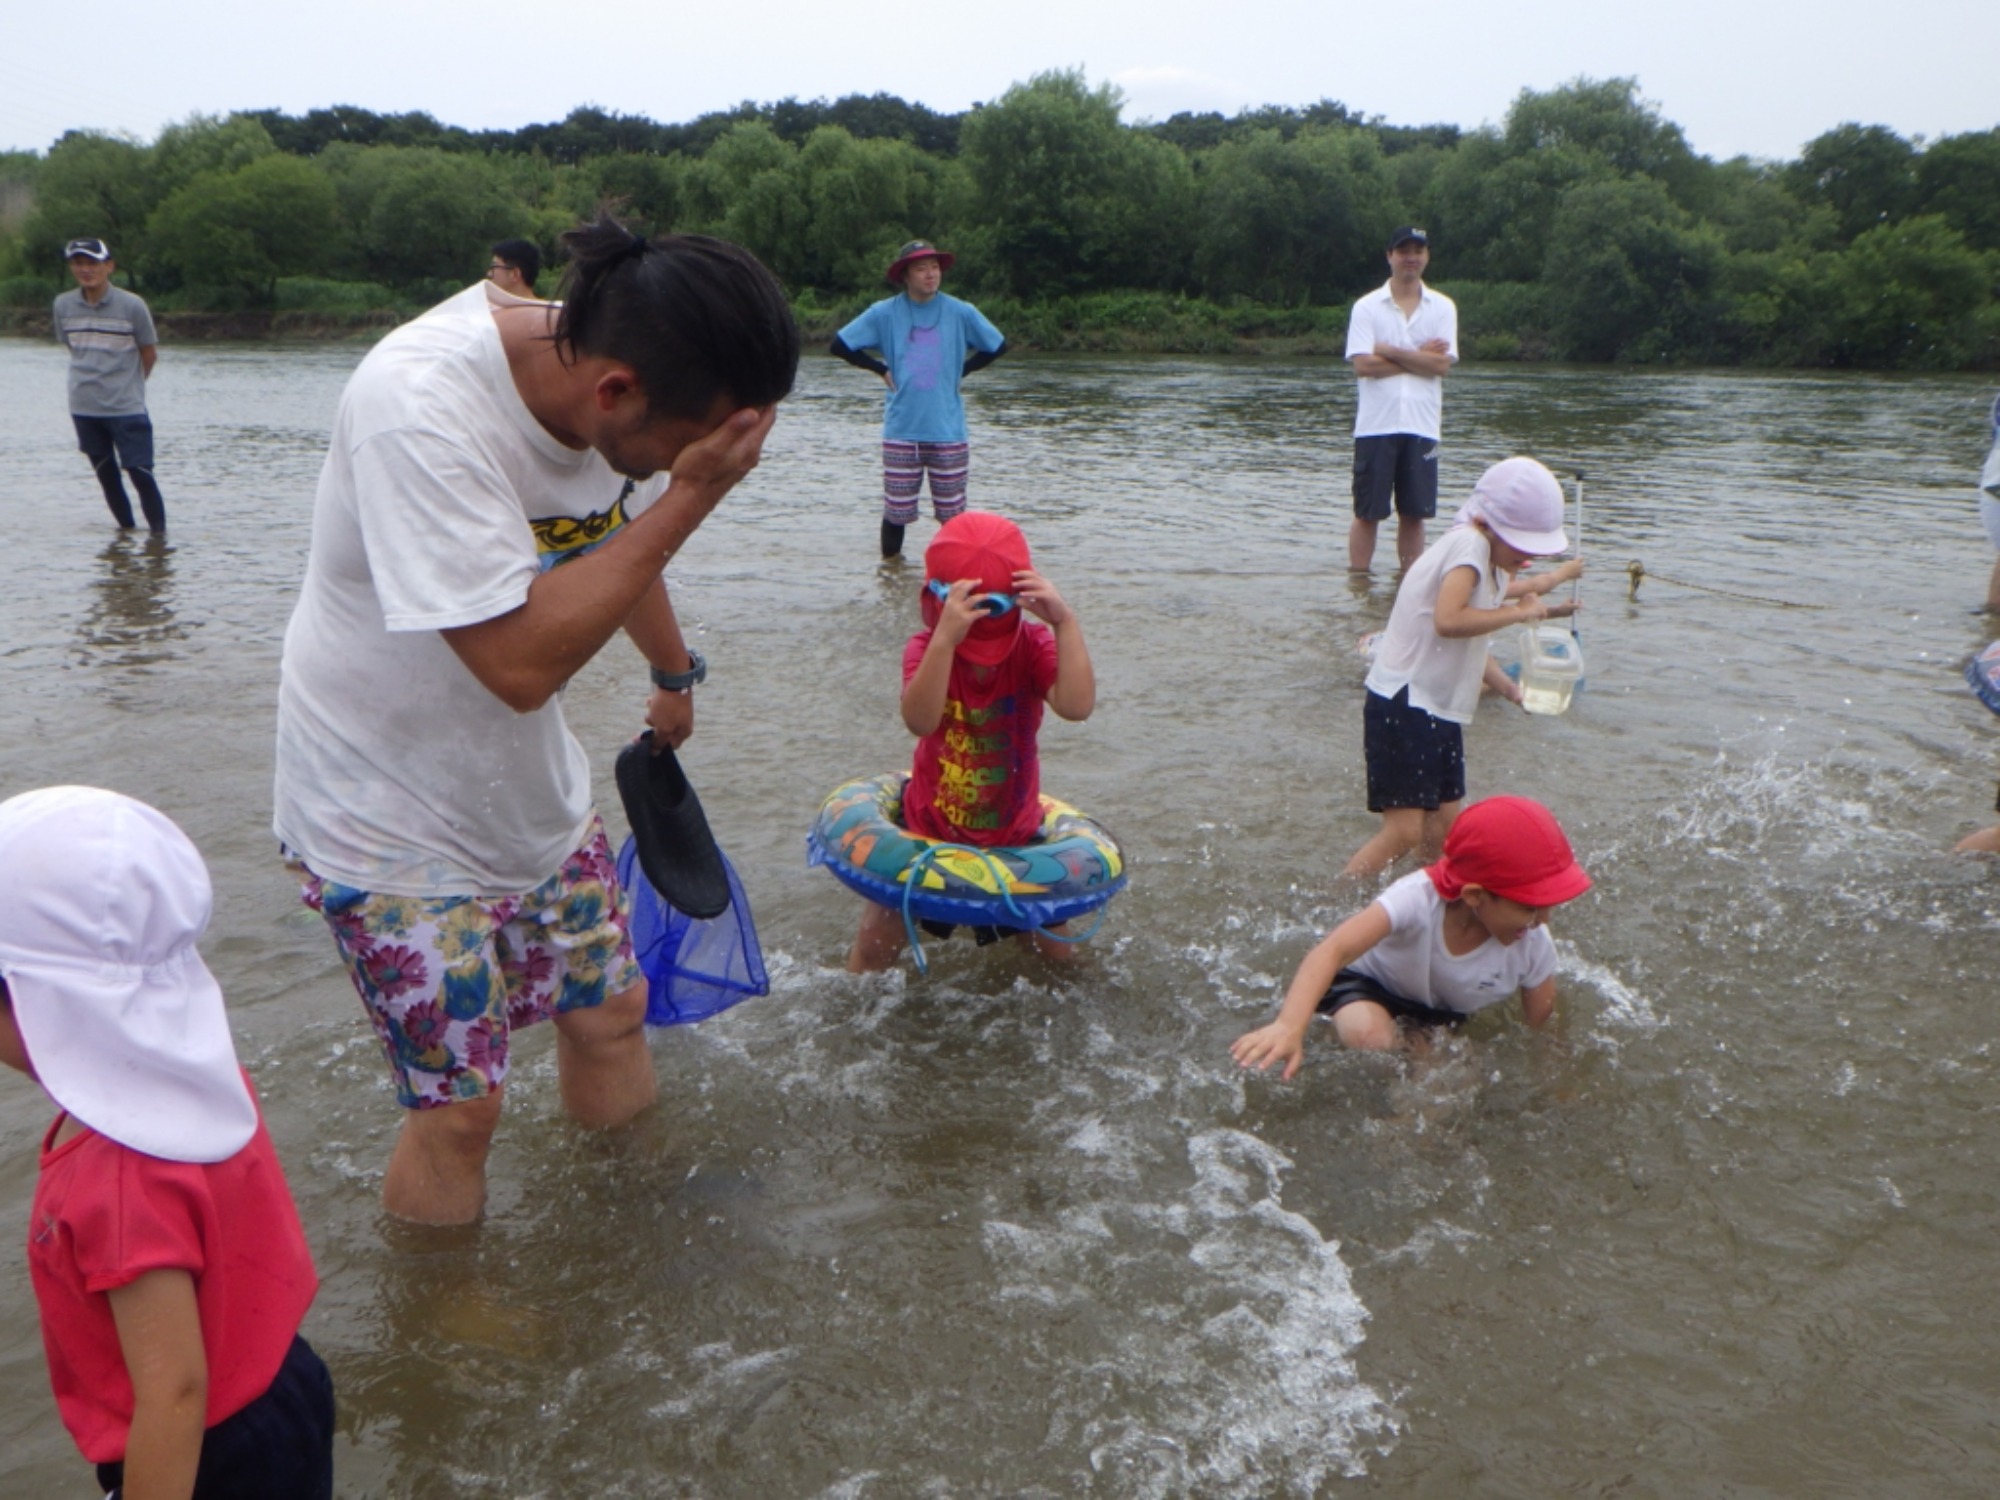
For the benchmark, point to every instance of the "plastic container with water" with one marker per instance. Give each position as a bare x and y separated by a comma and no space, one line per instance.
1551,667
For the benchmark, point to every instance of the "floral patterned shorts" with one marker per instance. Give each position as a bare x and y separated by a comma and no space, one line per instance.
446,979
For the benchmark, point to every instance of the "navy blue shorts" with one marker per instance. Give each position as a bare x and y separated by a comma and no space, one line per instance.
1399,464
131,438
280,1444
1350,985
1414,758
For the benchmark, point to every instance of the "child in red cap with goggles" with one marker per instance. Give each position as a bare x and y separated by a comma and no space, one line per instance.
975,679
1453,938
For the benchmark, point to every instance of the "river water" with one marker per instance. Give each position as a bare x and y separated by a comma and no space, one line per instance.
1008,1231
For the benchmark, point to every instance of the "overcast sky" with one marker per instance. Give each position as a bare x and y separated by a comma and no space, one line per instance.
1739,79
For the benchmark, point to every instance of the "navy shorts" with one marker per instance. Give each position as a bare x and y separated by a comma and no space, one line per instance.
131,438
1399,464
1350,985
280,1444
1414,758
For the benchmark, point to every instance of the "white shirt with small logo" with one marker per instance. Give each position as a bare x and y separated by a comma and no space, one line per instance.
1412,961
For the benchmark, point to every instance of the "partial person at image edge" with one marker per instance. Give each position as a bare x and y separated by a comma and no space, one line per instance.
167,1257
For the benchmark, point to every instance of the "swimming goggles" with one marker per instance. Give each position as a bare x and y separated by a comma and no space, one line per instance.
991,604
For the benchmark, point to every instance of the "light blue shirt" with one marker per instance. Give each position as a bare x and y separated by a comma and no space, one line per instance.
924,344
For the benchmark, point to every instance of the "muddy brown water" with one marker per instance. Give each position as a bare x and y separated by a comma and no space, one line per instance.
1008,1231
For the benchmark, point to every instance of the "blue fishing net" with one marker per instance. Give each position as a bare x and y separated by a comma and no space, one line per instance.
694,969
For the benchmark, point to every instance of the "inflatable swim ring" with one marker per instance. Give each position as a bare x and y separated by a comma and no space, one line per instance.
1074,868
1983,672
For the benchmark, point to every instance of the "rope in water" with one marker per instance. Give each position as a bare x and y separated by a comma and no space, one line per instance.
1636,571
923,862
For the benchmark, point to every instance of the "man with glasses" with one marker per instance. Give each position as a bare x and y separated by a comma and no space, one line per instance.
516,264
112,347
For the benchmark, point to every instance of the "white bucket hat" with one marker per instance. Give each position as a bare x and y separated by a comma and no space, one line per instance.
1521,502
102,900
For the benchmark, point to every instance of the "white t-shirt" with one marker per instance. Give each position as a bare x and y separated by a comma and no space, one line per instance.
1412,961
1442,675
441,500
1401,403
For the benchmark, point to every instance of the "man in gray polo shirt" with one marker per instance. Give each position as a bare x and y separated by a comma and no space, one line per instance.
109,334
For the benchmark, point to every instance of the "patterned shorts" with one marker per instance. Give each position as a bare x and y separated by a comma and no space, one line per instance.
447,979
903,468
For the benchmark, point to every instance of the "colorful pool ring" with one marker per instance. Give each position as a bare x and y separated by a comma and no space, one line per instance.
1983,672
1075,867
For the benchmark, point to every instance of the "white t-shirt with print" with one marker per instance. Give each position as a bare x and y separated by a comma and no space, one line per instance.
1442,675
441,500
1412,962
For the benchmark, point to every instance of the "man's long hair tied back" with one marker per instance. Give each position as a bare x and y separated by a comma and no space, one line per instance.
696,318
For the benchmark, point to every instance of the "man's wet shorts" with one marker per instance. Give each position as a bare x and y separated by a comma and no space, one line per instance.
1399,464
447,979
1414,758
1350,985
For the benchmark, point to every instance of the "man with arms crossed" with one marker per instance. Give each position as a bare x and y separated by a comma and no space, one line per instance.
1401,340
488,518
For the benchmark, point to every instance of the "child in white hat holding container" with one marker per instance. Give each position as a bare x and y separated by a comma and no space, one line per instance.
166,1254
1423,684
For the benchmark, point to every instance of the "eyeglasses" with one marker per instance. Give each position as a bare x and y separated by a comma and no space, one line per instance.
991,604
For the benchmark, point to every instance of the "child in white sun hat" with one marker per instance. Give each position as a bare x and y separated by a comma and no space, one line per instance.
167,1258
1423,684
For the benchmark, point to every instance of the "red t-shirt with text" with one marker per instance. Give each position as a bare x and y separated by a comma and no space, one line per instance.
977,778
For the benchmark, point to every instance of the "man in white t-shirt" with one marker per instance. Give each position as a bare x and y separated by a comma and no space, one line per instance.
1401,340
489,516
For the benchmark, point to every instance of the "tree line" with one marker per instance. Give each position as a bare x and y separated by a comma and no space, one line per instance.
1583,227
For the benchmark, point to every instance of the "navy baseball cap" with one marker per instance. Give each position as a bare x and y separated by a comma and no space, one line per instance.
88,249
1409,234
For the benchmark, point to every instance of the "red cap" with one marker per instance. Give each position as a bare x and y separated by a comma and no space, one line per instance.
989,550
1513,847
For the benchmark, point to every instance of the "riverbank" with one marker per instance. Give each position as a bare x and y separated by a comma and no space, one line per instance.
1110,323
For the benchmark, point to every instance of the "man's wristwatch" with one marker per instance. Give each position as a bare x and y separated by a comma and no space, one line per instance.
680,682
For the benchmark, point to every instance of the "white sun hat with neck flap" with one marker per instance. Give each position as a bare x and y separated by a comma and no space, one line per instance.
102,900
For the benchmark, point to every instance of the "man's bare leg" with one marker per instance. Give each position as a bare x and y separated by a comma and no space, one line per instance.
603,1064
1361,545
1409,540
437,1172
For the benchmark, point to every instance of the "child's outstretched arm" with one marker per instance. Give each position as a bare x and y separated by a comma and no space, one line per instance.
1284,1039
1522,585
1074,692
159,1332
1456,619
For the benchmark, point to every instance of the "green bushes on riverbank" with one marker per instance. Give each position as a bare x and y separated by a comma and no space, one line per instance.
1583,228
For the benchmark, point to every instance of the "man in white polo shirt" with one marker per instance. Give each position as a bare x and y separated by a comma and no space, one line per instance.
1401,340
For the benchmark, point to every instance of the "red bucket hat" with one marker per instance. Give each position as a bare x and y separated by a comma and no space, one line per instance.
916,250
989,550
1513,847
